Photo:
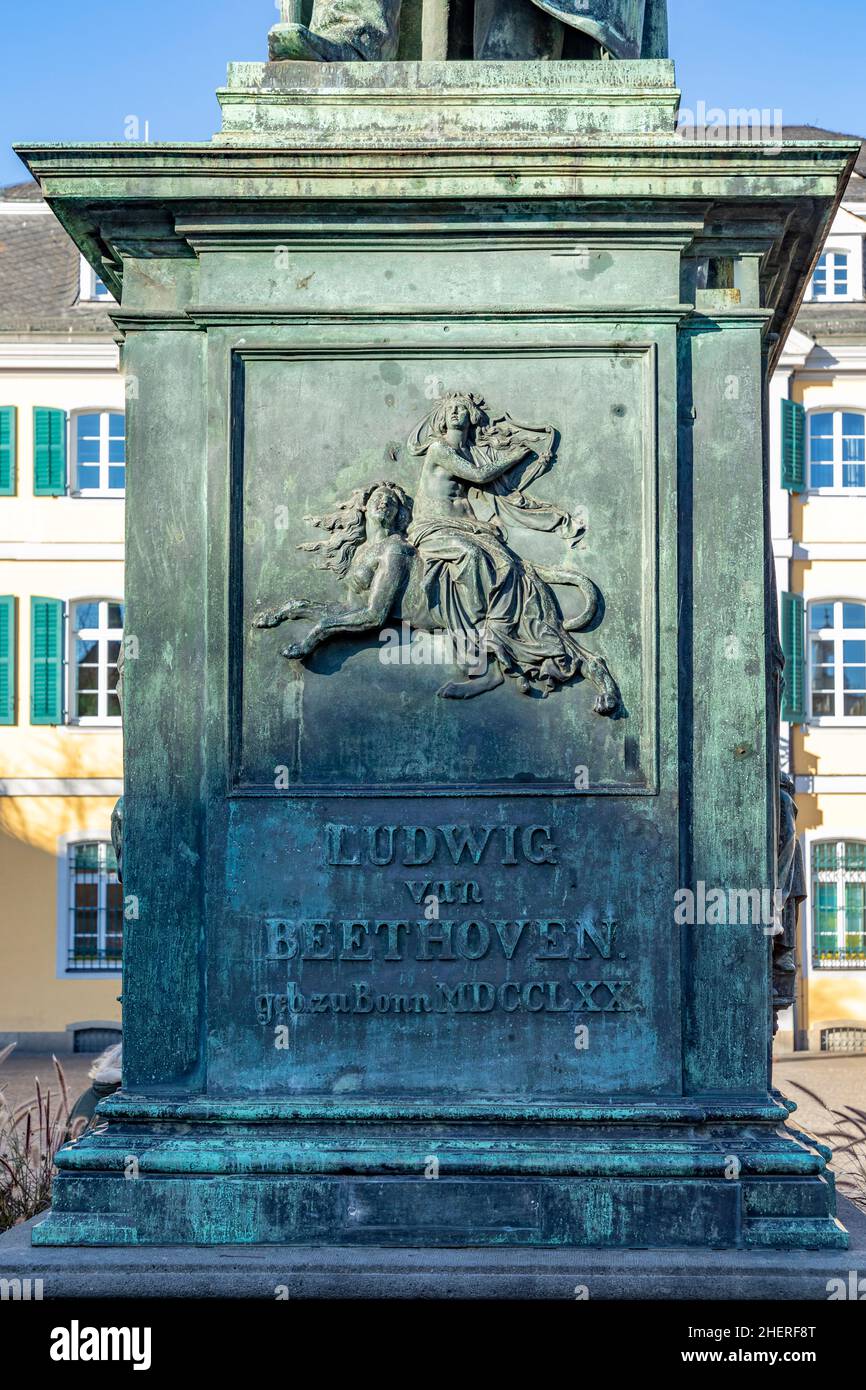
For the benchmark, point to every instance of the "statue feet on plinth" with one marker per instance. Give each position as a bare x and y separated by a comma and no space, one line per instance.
338,31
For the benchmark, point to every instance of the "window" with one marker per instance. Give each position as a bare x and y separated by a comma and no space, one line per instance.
97,631
837,659
839,905
95,1039
91,284
99,443
830,280
837,450
843,1038
95,906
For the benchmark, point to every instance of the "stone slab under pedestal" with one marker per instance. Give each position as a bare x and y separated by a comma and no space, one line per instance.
269,1271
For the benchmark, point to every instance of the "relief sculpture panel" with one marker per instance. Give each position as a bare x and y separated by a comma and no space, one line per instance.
430,542
436,565
445,725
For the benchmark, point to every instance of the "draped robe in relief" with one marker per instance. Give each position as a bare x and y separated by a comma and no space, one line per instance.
486,595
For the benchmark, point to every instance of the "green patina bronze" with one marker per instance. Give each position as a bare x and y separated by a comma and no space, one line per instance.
431,376
354,30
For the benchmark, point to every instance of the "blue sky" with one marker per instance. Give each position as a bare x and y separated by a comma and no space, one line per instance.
77,71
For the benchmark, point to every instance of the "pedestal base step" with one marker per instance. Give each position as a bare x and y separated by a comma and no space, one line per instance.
270,1272
155,1181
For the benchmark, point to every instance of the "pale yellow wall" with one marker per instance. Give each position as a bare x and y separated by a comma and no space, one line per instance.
835,996
828,518
815,518
32,998
831,752
832,815
68,548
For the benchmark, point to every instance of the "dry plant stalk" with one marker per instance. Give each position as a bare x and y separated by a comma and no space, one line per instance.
30,1135
847,1138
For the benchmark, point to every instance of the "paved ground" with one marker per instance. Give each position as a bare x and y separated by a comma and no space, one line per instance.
17,1074
836,1081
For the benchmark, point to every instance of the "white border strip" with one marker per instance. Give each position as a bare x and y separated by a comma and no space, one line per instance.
65,550
97,353
61,786
817,783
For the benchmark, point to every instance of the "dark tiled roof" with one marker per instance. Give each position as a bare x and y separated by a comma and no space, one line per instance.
40,274
856,190
27,192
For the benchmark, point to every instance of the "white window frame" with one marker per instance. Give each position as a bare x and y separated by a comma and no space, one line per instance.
103,635
813,838
836,489
846,236
830,255
65,845
103,490
836,635
87,287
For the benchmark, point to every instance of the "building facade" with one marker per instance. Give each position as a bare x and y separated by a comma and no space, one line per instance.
818,518
62,461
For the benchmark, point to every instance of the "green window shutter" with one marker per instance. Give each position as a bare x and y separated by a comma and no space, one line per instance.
8,439
793,446
794,694
49,452
46,661
7,659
